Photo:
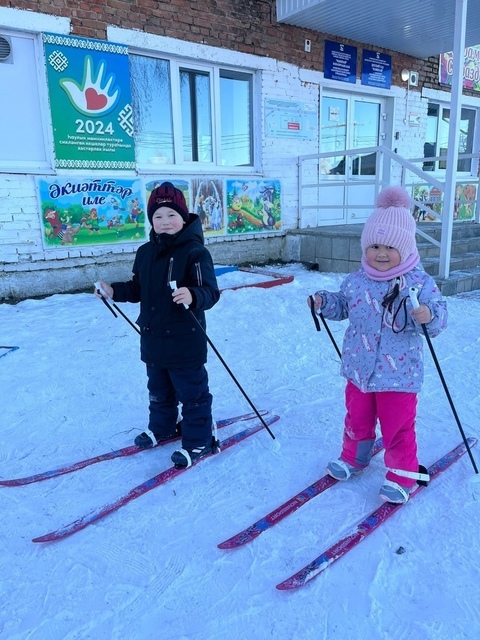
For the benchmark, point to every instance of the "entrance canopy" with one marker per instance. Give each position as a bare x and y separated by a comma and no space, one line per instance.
419,29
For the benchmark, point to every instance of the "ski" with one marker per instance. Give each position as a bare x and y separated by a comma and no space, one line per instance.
119,453
284,510
148,485
367,525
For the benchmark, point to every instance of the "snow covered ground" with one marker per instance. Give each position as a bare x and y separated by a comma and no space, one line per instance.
152,570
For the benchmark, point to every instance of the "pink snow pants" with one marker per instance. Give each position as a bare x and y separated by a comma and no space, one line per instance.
396,411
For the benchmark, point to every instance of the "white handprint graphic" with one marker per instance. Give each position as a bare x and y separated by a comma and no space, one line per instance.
90,97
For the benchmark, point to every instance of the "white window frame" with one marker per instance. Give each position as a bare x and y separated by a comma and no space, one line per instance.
36,166
175,66
475,139
213,71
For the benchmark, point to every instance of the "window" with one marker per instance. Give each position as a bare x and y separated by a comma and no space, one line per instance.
22,127
152,105
350,122
191,114
196,116
436,143
236,115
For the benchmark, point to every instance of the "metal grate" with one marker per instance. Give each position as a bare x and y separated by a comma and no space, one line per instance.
5,49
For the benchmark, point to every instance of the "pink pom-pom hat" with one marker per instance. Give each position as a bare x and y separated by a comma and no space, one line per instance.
391,223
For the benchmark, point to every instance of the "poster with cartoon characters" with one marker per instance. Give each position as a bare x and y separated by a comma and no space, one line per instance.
91,211
207,197
253,206
463,206
465,200
90,103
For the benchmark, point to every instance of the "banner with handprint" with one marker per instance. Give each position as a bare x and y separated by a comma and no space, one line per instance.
90,103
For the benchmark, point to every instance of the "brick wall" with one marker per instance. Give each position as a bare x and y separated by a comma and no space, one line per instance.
247,26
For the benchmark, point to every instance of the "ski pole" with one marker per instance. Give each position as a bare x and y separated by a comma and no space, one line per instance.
317,325
173,286
104,300
413,292
107,302
9,349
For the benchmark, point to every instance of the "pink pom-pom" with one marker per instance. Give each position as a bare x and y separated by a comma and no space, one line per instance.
393,197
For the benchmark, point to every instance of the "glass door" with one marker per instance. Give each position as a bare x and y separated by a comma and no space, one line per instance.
348,122
365,133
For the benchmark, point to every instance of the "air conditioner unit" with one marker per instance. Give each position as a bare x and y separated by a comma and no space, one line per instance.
6,54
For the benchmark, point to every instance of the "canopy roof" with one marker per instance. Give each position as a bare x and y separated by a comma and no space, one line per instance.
417,28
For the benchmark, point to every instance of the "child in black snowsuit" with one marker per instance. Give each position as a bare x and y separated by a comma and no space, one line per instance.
173,345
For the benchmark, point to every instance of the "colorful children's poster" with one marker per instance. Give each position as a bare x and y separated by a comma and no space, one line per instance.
90,103
207,198
471,68
91,211
253,205
431,198
463,206
465,200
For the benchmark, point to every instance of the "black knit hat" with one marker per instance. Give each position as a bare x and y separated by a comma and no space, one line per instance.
168,195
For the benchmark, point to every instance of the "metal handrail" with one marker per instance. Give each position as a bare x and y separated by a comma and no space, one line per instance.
385,160
383,154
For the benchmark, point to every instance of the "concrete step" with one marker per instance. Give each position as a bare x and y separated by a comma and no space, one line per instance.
460,246
459,282
459,230
458,262
337,249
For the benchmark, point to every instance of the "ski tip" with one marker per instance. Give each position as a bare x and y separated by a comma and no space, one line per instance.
53,536
289,585
301,579
240,539
303,576
233,543
41,539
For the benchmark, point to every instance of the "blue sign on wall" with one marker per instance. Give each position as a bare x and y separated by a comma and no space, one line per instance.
340,62
376,69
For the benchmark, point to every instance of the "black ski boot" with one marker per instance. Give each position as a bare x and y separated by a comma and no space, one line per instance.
148,439
183,458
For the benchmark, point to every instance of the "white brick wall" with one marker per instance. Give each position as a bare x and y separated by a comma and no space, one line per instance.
280,155
20,226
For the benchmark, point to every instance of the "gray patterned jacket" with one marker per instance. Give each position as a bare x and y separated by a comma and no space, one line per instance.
378,354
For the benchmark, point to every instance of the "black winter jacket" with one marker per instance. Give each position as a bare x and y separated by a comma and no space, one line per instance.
170,337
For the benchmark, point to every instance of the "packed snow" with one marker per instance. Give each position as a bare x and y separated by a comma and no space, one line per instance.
76,387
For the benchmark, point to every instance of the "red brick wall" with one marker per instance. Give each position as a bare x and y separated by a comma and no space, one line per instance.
248,26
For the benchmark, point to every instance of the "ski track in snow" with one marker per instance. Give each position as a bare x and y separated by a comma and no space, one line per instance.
152,571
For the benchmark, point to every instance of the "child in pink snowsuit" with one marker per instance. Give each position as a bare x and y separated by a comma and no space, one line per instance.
382,357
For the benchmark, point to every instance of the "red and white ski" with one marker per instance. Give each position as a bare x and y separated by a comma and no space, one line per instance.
118,453
284,510
367,526
149,484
